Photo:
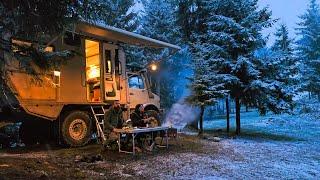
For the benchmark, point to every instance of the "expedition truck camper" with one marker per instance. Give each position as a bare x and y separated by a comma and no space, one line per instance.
69,103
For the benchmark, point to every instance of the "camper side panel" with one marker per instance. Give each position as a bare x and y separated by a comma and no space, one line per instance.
35,94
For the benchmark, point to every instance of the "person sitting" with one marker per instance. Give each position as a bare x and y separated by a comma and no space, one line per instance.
113,119
138,120
137,117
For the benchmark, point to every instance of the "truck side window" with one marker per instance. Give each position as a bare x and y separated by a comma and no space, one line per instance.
136,82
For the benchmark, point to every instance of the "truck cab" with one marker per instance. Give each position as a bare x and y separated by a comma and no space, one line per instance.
140,90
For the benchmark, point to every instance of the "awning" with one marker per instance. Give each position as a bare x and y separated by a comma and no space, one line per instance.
121,36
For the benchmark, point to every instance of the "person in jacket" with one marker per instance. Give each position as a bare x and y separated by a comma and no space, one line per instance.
138,120
137,117
113,119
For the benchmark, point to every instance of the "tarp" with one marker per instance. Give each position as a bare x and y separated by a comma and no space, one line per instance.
117,35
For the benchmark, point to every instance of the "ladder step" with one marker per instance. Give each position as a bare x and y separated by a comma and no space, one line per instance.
99,121
97,106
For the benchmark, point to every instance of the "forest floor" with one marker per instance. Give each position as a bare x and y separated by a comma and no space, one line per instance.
269,147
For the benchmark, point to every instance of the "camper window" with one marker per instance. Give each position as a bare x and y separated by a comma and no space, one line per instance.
92,50
136,82
118,65
108,64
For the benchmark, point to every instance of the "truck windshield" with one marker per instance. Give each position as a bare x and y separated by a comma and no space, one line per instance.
136,81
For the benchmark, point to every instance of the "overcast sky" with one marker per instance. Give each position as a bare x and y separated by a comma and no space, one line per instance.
287,11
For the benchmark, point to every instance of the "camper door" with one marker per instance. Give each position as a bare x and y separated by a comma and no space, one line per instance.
111,72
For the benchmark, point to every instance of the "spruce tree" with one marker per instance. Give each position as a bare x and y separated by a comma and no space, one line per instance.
158,22
308,48
284,58
282,42
234,33
33,20
191,18
278,81
206,85
120,14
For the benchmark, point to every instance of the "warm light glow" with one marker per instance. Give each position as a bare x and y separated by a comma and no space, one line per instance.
56,73
93,72
48,49
154,67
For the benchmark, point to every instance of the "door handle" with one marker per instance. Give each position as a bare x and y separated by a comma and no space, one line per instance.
131,94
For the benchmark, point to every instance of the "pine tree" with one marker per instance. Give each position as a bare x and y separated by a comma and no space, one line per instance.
158,22
191,18
283,43
278,81
283,57
32,19
308,48
234,33
206,86
120,14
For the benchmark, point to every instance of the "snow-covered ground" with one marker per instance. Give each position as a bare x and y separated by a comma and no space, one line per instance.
269,147
272,147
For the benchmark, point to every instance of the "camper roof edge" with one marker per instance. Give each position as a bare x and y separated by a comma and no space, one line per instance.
124,36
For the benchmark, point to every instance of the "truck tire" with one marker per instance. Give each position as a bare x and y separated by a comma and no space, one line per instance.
153,113
76,129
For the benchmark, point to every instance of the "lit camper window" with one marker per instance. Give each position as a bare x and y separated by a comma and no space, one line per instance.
92,60
92,51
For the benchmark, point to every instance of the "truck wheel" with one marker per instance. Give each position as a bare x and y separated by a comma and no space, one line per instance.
155,114
76,129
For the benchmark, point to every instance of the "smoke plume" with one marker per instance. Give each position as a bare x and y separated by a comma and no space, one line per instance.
180,115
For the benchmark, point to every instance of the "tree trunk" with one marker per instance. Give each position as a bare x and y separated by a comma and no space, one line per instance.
247,108
238,106
222,105
228,113
201,120
309,95
194,124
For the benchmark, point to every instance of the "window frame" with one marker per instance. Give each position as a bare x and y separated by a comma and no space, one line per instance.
140,77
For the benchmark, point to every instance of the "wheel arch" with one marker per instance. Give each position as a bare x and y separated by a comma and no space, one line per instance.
151,107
